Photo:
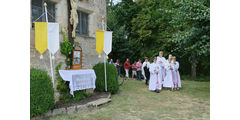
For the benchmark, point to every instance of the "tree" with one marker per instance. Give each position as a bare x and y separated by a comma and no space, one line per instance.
192,20
145,27
152,27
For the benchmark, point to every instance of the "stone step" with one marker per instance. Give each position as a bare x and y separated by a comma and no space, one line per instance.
76,108
99,102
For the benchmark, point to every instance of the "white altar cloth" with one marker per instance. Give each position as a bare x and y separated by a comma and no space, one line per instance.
79,79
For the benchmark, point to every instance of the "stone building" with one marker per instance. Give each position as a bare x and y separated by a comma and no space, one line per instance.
90,14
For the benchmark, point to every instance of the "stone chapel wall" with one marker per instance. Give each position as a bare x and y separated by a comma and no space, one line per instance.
96,9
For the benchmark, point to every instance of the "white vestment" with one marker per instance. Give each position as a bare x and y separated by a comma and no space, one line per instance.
177,76
161,59
163,70
148,66
169,79
155,80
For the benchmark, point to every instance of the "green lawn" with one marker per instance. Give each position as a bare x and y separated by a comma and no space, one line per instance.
135,102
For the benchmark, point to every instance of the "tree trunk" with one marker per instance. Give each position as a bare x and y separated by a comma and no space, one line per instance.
70,27
194,67
111,3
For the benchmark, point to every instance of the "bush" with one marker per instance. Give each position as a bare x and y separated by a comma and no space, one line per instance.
41,92
112,78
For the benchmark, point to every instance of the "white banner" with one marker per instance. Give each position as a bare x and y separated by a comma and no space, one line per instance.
107,42
53,37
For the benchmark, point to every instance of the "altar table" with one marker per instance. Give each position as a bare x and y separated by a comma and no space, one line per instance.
79,79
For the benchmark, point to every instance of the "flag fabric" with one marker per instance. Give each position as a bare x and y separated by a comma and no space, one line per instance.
99,41
46,37
41,42
103,41
107,42
53,37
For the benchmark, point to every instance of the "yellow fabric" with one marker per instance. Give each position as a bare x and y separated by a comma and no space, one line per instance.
99,41
41,42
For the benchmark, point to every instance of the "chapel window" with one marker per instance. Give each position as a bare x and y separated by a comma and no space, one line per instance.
82,27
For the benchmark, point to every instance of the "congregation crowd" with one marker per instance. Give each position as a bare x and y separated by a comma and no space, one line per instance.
158,74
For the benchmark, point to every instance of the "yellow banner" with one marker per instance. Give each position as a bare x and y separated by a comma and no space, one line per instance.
41,42
99,41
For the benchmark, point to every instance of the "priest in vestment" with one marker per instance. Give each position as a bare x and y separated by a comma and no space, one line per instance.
155,83
161,61
169,81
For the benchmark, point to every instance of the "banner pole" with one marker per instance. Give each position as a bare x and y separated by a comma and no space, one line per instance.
50,57
105,69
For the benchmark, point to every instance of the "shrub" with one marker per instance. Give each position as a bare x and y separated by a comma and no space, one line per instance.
41,92
112,78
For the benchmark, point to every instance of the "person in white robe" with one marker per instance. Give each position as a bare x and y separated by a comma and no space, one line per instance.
169,79
155,83
161,61
176,74
145,70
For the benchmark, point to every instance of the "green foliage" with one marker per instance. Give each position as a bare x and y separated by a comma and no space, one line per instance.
193,36
63,88
145,27
66,48
62,85
41,92
112,78
193,23
152,28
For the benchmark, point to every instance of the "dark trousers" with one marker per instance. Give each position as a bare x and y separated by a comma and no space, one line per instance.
118,70
147,75
139,75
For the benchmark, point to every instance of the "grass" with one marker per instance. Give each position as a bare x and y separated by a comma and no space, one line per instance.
199,78
136,102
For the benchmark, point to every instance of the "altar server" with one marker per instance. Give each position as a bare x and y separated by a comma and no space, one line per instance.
145,70
161,61
176,74
155,83
169,79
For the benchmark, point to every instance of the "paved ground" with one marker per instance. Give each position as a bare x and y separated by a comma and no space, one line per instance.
135,102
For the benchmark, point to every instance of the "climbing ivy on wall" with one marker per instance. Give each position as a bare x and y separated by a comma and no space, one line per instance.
66,49
63,86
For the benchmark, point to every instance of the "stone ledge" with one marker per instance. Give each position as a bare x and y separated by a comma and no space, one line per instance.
76,108
99,102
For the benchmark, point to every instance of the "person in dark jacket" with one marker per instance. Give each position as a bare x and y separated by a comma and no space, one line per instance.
118,66
146,73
